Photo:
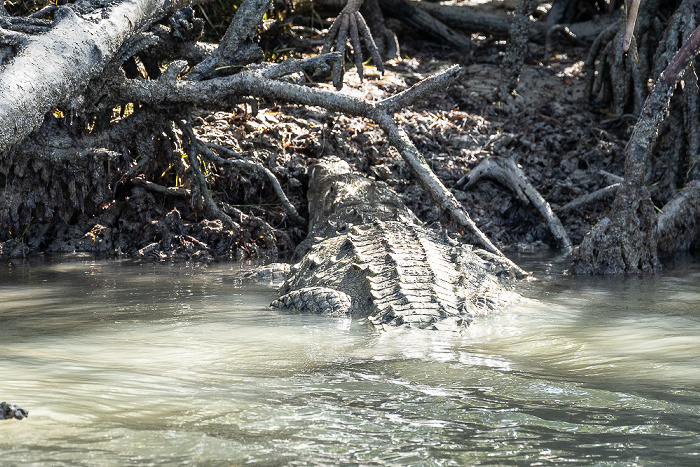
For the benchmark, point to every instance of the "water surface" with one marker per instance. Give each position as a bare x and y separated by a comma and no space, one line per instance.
121,363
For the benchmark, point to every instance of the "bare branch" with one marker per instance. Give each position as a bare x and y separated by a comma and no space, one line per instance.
589,198
419,90
294,65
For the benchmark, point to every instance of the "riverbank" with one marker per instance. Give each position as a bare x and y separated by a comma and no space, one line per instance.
566,148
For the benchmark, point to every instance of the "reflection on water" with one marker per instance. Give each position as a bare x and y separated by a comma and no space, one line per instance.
121,363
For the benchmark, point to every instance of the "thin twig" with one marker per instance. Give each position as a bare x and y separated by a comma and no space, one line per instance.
589,198
163,190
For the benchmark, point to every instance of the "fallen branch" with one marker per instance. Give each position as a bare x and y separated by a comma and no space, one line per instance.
437,191
507,173
408,13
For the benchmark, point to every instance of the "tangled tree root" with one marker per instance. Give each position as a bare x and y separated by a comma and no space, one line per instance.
626,241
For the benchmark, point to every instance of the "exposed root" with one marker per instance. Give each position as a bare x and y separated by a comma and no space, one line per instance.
199,183
256,166
350,23
590,198
506,172
679,228
626,240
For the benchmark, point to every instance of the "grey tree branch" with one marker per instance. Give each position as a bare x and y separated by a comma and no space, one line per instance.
589,198
56,67
505,171
419,90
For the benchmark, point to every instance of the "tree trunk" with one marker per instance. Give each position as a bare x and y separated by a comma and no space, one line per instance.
626,241
55,68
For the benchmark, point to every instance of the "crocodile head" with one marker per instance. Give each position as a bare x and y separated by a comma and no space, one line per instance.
339,198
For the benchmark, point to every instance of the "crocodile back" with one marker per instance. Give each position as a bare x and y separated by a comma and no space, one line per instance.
401,274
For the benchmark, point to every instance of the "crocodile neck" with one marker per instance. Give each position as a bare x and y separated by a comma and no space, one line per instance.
339,198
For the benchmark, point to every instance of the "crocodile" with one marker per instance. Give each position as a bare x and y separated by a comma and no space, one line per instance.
367,254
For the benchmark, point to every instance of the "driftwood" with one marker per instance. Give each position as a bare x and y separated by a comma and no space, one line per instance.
507,172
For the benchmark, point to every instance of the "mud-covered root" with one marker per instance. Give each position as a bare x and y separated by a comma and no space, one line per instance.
679,221
620,65
384,38
620,245
517,48
201,196
200,153
505,171
627,240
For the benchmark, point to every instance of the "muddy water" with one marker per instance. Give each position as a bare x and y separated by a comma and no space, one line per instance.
127,364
